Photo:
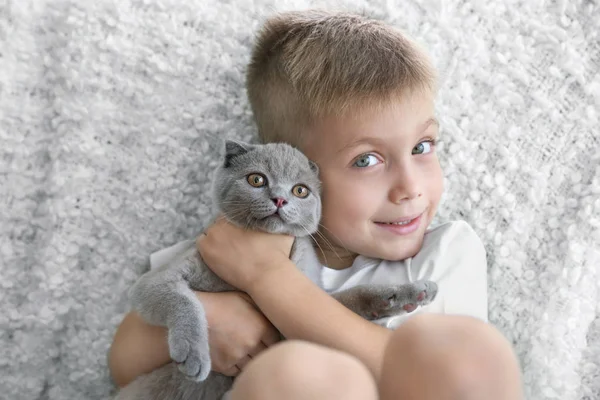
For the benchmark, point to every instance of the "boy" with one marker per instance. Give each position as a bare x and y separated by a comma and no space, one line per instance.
356,97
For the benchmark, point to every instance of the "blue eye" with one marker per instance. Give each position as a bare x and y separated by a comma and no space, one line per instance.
424,147
366,160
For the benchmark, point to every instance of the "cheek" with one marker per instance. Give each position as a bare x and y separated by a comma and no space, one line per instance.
345,204
436,183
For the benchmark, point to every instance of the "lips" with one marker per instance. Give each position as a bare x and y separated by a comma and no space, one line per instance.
403,225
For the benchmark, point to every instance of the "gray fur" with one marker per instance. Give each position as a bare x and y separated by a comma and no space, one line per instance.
165,296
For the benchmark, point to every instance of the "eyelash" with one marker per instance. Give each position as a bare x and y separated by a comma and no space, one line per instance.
432,143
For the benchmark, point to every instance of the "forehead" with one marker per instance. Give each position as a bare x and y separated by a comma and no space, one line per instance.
398,120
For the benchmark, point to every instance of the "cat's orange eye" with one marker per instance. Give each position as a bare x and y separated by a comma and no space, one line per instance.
300,191
257,180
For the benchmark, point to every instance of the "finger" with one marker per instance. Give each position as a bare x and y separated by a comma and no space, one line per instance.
244,296
232,371
257,350
221,364
271,337
242,363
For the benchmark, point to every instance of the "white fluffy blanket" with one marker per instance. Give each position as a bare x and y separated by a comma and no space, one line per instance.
111,113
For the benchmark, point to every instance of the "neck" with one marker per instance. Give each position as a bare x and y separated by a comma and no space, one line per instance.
331,254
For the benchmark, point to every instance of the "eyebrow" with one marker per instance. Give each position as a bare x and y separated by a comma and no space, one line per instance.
429,122
375,140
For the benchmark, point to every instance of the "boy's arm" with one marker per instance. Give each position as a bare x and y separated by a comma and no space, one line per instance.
236,329
316,316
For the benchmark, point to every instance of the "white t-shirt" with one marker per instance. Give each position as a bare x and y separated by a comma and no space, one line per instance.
452,256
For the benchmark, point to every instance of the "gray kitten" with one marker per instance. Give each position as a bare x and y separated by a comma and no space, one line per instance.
273,188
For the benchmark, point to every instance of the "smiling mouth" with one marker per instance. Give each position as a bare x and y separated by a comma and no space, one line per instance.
401,221
403,226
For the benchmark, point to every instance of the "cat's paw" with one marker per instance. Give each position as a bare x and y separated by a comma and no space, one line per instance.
422,293
405,297
190,351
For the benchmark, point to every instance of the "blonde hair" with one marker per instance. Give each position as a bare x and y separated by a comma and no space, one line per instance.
307,65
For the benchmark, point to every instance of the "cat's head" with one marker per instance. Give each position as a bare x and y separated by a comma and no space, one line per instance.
270,187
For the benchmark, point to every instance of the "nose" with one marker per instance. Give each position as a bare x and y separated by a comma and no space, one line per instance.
279,201
407,186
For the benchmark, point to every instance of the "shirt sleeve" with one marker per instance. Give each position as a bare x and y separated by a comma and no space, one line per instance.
454,257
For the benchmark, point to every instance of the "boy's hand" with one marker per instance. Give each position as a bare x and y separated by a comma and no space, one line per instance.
241,256
237,330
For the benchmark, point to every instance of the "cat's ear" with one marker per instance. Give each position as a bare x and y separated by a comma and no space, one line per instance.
233,149
314,167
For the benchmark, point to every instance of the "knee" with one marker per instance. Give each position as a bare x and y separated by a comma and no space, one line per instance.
473,358
303,363
300,370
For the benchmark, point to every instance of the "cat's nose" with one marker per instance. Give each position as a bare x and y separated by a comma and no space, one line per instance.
279,201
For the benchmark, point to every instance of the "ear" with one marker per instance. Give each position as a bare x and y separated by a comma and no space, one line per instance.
314,167
233,149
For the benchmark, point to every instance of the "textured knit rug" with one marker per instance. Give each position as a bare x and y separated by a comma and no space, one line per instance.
111,116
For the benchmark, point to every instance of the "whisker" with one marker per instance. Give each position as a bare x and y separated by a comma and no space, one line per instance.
234,203
234,214
328,243
236,210
325,239
331,245
338,239
314,240
321,236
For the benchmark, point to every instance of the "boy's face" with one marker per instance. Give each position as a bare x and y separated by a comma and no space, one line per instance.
382,181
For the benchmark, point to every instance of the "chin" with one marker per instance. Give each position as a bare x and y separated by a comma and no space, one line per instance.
393,255
401,251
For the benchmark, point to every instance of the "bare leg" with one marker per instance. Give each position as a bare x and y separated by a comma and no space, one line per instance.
295,370
445,357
